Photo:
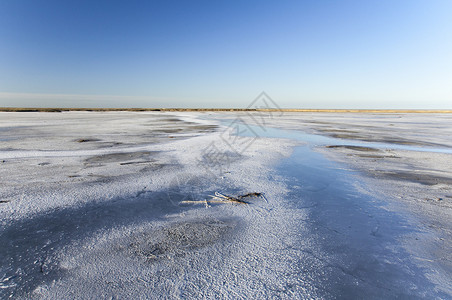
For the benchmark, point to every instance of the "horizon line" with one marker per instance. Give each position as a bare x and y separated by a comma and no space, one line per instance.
332,110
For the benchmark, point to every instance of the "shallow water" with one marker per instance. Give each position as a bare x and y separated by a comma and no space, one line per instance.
320,140
361,240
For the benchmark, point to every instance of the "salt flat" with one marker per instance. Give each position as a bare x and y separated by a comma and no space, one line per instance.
113,205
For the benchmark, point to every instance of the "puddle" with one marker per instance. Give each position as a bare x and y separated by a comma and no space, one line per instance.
361,240
318,140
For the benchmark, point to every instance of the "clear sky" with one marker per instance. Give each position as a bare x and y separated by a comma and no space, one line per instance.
304,54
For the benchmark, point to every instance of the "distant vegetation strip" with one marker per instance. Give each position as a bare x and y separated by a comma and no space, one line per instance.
24,109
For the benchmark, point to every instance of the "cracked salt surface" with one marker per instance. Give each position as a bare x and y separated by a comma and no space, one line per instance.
127,236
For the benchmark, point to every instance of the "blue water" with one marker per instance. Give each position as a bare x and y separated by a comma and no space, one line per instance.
358,237
320,140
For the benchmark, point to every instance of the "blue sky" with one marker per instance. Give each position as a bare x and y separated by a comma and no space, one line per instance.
304,54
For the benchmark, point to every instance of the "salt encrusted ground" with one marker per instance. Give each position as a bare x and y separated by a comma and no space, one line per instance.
91,207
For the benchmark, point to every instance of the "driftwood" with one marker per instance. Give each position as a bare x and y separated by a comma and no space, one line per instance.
221,198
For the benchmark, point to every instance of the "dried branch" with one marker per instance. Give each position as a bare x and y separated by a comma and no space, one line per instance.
221,198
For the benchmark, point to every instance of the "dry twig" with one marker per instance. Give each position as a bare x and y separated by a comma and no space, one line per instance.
221,198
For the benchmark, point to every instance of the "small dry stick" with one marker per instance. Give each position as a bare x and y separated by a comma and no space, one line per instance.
250,195
221,198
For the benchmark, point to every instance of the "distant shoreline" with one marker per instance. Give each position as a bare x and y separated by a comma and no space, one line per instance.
50,109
